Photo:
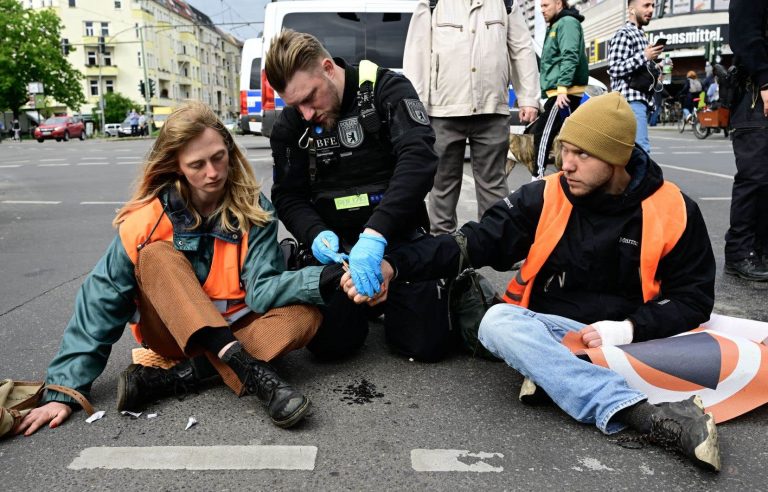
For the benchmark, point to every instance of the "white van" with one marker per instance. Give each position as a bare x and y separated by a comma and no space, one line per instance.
250,86
351,29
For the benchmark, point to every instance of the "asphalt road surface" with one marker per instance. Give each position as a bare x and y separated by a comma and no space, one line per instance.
446,426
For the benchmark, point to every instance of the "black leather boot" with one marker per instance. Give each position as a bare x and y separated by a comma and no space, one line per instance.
749,268
285,405
140,385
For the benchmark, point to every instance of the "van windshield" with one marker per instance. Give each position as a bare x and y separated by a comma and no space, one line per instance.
354,36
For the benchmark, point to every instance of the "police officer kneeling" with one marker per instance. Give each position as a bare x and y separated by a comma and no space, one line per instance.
353,162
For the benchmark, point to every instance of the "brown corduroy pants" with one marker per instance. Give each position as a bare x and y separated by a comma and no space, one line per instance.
173,307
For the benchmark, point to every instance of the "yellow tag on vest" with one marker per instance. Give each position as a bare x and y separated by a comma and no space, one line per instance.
352,201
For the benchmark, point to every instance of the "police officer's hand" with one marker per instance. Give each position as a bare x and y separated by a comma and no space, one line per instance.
348,285
365,262
325,248
54,412
528,114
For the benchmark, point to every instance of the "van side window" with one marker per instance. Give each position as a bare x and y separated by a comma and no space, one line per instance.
354,36
255,83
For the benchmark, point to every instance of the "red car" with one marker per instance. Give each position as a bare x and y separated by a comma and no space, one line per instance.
60,128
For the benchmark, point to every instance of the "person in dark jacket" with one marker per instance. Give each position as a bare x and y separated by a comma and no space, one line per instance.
691,90
564,76
613,253
746,242
353,156
197,271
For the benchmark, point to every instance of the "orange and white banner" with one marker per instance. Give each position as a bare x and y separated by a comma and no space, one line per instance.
725,362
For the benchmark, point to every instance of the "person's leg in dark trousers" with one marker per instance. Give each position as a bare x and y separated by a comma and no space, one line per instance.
489,144
416,320
450,142
546,128
750,147
343,330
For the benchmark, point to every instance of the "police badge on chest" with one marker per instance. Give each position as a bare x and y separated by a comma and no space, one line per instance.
350,132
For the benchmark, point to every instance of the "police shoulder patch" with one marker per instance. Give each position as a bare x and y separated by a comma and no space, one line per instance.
350,132
416,111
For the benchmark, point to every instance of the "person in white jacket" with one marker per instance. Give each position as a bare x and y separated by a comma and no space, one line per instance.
461,57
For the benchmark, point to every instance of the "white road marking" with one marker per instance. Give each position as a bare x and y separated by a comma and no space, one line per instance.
698,171
132,163
9,166
677,152
29,202
125,157
53,165
102,203
721,152
92,164
52,160
197,458
715,198
453,460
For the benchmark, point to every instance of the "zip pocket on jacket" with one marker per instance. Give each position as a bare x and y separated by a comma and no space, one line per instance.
437,71
488,24
448,24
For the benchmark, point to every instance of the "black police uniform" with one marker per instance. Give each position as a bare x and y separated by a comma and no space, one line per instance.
372,169
748,232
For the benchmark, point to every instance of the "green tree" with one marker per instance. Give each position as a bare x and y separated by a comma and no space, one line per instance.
30,51
117,106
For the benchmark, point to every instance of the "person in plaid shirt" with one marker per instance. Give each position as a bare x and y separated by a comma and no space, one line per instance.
628,51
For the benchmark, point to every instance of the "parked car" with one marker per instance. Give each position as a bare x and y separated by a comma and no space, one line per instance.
230,124
60,128
111,129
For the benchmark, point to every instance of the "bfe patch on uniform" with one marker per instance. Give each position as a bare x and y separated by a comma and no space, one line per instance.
351,132
416,111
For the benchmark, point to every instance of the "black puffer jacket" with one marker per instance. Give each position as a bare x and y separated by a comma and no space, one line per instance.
593,273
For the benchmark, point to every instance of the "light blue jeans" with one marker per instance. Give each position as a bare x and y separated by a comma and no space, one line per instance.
529,342
641,115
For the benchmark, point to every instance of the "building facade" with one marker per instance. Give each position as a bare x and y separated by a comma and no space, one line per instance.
165,48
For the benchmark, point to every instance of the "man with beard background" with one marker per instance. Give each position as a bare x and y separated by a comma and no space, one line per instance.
629,52
354,159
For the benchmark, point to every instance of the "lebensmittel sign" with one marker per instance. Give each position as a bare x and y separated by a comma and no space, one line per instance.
691,37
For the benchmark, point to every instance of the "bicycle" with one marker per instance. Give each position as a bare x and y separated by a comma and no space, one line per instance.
671,111
691,119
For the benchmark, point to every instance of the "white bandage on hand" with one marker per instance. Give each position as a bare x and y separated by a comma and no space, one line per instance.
614,332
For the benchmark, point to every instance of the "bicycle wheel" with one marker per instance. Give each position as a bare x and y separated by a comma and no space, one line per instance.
681,124
700,130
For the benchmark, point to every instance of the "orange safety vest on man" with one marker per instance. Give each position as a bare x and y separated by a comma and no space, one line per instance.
223,286
664,220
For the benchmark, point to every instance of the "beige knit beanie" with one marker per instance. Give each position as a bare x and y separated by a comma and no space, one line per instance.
604,127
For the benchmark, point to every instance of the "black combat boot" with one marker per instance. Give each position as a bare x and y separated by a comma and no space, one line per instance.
140,385
285,405
684,427
749,268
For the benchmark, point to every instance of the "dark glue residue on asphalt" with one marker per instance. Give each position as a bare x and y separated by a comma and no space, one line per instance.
359,392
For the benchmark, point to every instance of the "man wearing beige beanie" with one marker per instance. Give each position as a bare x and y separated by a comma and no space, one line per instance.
612,252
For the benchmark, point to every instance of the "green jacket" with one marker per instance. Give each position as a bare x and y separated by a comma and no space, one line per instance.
106,300
563,57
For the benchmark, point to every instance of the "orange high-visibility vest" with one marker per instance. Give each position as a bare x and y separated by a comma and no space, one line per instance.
664,220
150,223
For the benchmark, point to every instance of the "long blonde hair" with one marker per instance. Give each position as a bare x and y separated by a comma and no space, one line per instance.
161,169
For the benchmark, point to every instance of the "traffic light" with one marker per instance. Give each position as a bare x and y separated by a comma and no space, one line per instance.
102,45
142,90
151,88
65,46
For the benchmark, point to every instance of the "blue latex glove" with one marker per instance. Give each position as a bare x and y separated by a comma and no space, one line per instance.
365,264
325,248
